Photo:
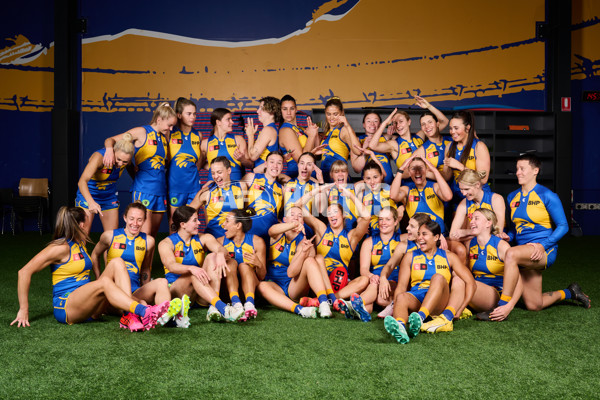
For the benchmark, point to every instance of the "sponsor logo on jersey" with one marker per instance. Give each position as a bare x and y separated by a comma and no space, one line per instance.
179,253
140,248
414,198
107,171
534,202
377,252
78,256
420,267
119,246
176,141
213,148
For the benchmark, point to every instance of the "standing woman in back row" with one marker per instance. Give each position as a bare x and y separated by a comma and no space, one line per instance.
269,115
184,157
150,181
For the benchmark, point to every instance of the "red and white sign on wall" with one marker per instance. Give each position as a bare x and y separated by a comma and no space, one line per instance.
565,104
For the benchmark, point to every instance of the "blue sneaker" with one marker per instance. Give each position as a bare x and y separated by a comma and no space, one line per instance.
359,306
414,324
346,307
396,329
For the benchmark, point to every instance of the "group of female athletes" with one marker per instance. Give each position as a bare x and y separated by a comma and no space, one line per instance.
423,230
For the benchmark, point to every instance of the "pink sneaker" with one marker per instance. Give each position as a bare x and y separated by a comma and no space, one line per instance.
309,302
153,313
388,310
132,322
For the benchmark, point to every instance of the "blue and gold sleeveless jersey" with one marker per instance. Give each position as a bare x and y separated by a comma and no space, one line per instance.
406,148
274,147
220,202
225,147
294,190
237,252
425,201
485,261
422,268
336,250
382,252
150,177
103,183
73,273
184,152
266,198
375,202
292,165
281,253
335,196
533,214
131,250
471,161
486,202
434,152
383,158
336,149
192,254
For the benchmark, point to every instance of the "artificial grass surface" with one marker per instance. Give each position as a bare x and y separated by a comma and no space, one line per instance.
548,354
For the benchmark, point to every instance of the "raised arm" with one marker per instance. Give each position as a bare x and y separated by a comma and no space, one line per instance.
482,158
95,162
139,137
440,187
457,230
386,146
441,117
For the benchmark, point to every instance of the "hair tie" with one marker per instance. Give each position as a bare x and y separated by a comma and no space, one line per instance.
334,98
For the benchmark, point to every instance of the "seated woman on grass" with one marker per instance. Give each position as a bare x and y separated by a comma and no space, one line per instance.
75,297
191,271
292,269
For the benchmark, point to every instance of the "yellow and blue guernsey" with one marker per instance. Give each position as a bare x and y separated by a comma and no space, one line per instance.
336,149
485,262
102,187
423,268
532,216
220,202
269,149
434,152
266,199
406,148
150,177
183,176
132,250
375,202
294,190
68,276
186,254
225,147
336,250
383,158
425,201
471,164
292,165
486,202
335,196
237,252
281,253
381,252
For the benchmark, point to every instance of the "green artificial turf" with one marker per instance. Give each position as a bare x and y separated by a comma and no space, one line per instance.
549,354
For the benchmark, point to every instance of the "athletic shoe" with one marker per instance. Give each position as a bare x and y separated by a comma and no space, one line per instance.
336,306
578,295
309,302
153,313
132,322
213,314
233,313
359,307
174,309
347,309
466,313
250,310
414,324
181,319
388,310
324,310
239,306
396,329
308,312
484,315
438,324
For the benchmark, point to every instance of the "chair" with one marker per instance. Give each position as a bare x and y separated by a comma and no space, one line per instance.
33,198
6,202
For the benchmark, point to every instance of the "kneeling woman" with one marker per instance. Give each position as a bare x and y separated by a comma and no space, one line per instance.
248,251
292,268
134,248
75,297
189,270
428,270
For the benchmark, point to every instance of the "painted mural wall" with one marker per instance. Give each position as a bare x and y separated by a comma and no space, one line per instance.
367,52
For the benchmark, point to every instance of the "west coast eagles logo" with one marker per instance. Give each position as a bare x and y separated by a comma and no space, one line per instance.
157,162
182,160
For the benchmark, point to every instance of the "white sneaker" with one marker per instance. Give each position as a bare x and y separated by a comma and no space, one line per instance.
309,312
388,310
173,310
250,310
213,314
324,310
233,314
182,320
239,307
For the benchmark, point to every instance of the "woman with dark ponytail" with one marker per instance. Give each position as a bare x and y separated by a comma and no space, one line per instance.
76,297
248,250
